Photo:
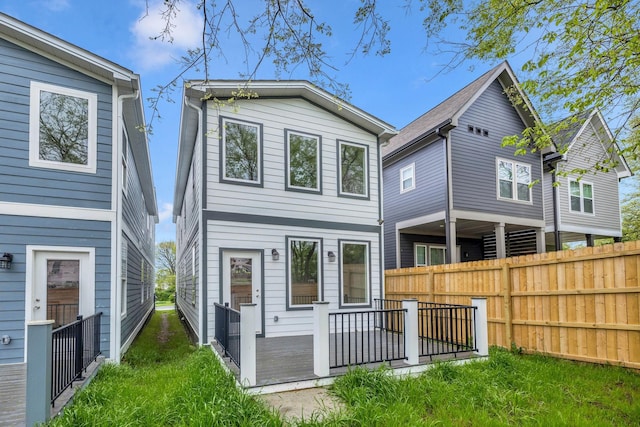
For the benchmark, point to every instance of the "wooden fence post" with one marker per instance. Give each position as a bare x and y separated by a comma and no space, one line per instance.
506,294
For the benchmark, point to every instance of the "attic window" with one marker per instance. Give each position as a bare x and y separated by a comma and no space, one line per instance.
485,132
470,128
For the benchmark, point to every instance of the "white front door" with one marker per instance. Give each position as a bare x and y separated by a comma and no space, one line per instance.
62,286
242,281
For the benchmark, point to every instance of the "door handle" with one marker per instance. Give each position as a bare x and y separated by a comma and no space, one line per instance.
36,307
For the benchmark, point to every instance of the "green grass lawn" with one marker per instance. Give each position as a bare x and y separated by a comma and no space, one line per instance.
164,303
165,381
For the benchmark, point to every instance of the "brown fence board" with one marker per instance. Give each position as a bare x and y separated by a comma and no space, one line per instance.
582,304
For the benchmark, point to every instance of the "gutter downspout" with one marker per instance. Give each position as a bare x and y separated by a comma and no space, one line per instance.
202,315
116,322
451,246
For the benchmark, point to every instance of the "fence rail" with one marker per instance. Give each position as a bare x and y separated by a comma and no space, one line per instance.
581,305
74,347
227,331
361,337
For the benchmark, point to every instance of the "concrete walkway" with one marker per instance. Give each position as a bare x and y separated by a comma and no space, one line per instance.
307,403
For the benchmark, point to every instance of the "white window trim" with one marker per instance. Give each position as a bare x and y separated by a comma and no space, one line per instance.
223,149
366,170
411,167
514,182
367,270
290,305
415,254
318,187
34,128
443,247
593,198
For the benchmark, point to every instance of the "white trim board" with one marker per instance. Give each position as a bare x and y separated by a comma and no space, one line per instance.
51,211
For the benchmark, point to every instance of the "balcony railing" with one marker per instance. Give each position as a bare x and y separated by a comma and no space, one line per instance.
227,331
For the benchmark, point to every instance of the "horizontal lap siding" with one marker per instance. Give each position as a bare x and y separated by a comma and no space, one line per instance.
583,155
15,234
473,157
231,235
26,184
136,306
134,212
428,197
276,115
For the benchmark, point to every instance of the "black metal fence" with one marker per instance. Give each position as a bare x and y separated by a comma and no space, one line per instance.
227,331
74,347
357,338
442,328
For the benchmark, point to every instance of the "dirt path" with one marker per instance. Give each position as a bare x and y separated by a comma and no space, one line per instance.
164,334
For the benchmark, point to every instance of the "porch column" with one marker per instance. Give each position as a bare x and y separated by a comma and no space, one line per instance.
501,249
321,338
248,344
411,335
39,354
541,244
452,240
480,326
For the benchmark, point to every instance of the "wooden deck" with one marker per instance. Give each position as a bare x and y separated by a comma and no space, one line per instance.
290,359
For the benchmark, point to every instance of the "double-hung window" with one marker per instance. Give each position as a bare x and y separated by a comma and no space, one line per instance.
353,170
303,162
514,180
407,178
581,196
62,128
241,152
305,272
355,280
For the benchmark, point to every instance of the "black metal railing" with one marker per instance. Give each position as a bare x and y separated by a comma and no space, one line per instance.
442,328
74,347
227,331
62,314
357,340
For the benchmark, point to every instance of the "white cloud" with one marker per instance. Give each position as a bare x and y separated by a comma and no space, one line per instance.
165,213
165,230
185,34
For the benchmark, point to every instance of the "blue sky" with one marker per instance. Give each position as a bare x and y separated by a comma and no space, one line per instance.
396,88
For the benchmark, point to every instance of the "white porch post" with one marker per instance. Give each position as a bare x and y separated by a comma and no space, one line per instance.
248,344
452,242
480,326
39,355
501,250
321,338
541,243
411,337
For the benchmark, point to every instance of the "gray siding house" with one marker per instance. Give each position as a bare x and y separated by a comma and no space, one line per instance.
77,203
277,202
451,192
583,207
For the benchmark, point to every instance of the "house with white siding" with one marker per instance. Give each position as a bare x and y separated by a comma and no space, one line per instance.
278,202
452,192
582,207
77,202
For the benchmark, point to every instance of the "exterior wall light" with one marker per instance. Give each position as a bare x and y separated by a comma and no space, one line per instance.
332,256
275,255
5,261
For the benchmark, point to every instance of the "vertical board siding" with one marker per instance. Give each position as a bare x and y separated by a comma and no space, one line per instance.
232,235
583,155
15,234
276,115
25,184
581,305
428,197
473,157
137,308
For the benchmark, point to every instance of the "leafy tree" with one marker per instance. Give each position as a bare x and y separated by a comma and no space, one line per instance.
631,203
303,165
166,257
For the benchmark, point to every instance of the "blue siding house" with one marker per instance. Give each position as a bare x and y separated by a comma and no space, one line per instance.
452,192
77,202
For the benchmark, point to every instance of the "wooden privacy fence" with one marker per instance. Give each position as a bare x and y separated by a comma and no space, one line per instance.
581,304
